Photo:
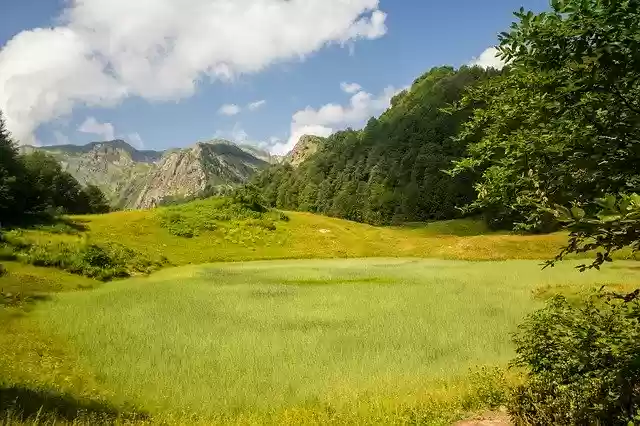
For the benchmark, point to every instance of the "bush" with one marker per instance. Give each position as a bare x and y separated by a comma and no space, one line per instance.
583,364
191,219
101,262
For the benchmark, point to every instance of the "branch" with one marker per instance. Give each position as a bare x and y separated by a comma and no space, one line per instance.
626,102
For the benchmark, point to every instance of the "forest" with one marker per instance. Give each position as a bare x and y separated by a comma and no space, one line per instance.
552,139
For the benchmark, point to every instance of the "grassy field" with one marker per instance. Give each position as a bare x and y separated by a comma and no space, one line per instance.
365,330
214,236
311,341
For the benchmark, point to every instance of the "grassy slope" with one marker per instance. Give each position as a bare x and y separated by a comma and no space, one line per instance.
263,341
304,236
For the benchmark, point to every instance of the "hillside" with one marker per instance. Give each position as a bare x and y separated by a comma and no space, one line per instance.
392,170
213,230
134,179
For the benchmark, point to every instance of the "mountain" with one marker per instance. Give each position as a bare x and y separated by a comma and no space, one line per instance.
392,170
305,148
134,179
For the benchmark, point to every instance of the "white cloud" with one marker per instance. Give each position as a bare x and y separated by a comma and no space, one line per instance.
489,59
256,105
135,140
107,50
238,135
350,88
331,117
229,109
93,126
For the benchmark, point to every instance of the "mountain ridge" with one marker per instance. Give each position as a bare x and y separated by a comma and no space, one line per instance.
134,179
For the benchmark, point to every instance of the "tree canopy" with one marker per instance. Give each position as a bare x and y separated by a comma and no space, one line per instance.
35,186
392,170
558,137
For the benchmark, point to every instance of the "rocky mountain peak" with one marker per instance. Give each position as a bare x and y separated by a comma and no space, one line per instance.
307,146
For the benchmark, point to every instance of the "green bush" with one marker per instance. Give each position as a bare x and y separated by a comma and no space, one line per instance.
583,364
189,220
100,262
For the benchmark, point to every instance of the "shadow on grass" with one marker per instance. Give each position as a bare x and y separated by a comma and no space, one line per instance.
21,299
21,404
55,224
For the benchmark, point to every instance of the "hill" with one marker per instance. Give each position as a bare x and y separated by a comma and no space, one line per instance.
392,170
218,229
133,179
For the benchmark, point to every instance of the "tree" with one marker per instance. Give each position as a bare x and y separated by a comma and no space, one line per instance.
11,174
398,157
561,127
96,201
50,188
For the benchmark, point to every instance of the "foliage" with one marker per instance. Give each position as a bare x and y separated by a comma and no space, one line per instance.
34,186
249,196
617,226
242,210
103,262
562,125
96,202
582,364
391,171
11,174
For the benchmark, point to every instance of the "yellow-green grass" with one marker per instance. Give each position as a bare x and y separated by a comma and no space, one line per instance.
21,278
310,341
304,236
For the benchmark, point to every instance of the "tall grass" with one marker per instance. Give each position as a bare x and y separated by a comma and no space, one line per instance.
355,341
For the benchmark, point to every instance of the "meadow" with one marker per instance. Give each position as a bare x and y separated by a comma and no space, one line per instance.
309,341
375,325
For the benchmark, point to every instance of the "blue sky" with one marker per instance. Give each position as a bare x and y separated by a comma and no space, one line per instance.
57,88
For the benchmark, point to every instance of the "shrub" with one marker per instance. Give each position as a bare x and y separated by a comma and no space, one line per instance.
191,219
95,261
583,364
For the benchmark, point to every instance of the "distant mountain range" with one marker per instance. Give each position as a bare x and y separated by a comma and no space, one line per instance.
135,179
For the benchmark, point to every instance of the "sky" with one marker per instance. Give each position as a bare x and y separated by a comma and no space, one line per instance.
168,73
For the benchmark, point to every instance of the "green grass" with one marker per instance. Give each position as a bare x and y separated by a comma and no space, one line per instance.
389,339
206,231
312,341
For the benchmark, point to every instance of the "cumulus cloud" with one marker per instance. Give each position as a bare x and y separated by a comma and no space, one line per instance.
331,117
229,109
106,50
135,140
238,135
350,88
489,59
256,105
93,126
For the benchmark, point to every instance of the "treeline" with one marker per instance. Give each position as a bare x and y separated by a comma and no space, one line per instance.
34,187
559,126
392,170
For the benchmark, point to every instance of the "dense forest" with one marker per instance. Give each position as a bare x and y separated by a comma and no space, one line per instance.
552,139
33,187
392,170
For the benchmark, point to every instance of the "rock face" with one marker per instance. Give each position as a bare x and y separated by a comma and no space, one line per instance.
134,179
187,172
305,148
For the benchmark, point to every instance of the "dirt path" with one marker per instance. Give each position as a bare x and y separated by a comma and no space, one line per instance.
493,418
